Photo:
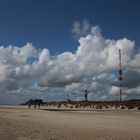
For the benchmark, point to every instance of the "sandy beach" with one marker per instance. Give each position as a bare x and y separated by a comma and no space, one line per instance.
21,123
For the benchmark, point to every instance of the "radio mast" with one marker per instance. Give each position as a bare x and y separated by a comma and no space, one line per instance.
120,75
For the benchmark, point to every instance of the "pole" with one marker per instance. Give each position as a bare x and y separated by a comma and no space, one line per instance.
120,75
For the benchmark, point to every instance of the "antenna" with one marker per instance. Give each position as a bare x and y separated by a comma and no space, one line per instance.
120,75
86,95
86,92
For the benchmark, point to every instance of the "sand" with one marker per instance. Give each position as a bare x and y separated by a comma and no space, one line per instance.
21,123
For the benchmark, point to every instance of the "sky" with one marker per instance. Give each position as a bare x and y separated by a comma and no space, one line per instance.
53,50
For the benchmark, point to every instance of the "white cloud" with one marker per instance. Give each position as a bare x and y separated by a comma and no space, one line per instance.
93,66
135,91
135,63
44,56
114,90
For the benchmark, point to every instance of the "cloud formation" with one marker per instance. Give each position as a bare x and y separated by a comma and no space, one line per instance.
33,72
80,29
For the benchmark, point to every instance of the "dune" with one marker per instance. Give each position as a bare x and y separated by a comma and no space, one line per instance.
21,123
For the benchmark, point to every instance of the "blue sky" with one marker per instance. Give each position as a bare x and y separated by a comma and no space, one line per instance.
47,23
46,60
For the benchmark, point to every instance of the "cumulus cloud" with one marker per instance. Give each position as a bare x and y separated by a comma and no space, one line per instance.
135,91
93,66
135,63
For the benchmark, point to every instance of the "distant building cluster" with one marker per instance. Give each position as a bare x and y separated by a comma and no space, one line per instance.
95,105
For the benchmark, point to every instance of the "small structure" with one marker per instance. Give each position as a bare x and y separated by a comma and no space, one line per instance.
35,103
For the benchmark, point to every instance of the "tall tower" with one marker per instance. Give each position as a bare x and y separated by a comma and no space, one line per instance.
86,95
120,75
